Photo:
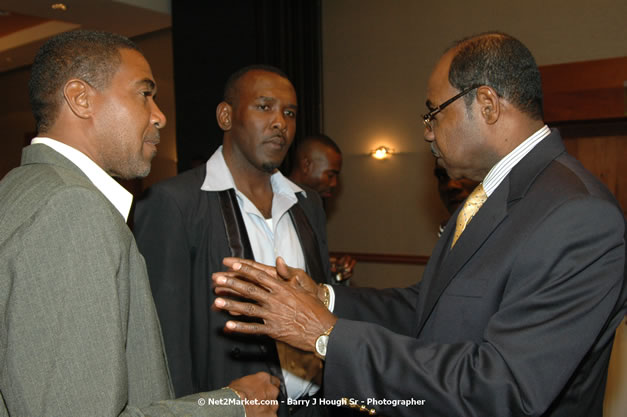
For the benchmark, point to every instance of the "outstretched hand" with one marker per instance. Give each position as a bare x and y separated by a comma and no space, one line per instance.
285,298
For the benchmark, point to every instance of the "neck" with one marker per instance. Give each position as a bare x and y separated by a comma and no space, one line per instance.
250,181
519,130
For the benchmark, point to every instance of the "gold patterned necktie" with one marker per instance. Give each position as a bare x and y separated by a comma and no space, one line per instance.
471,206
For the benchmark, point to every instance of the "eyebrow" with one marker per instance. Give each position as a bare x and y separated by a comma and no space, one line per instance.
148,83
273,99
429,105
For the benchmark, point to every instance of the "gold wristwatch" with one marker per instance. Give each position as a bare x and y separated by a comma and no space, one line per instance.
321,344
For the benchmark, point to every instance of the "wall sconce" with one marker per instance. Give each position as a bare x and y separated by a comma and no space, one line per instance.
382,152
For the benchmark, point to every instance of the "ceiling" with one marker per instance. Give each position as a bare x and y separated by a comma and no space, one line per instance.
26,24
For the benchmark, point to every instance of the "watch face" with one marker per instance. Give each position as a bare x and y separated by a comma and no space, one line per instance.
321,345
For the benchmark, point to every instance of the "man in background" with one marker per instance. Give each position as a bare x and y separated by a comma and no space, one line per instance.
318,162
78,327
237,204
317,165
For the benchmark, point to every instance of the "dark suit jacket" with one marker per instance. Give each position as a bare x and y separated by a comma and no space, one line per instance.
180,231
79,334
517,319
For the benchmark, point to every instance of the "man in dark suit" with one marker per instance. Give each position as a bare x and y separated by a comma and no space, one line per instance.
517,308
237,204
79,334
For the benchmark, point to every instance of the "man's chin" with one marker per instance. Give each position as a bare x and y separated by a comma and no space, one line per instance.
269,167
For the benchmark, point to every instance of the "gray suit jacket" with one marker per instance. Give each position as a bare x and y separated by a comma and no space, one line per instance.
517,319
79,333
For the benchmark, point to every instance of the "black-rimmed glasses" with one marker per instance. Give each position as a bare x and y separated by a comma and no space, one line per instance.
428,118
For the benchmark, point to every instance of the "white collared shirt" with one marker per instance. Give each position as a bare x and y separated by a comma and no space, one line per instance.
502,168
112,190
269,238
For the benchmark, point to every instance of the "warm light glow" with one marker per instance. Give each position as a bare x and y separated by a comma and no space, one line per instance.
382,152
59,6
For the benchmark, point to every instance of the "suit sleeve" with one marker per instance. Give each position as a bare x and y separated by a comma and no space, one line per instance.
391,308
161,234
218,403
68,317
559,305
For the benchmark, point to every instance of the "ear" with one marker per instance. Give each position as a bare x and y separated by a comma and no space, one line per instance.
489,104
307,164
78,95
224,113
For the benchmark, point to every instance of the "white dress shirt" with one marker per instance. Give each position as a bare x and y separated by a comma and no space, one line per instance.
269,238
112,190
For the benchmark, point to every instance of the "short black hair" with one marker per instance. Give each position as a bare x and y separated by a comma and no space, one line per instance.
230,87
502,62
320,138
91,56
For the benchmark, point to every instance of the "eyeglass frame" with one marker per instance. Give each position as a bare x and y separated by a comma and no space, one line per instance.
427,118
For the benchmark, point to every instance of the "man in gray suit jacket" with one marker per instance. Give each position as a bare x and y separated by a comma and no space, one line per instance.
79,334
515,314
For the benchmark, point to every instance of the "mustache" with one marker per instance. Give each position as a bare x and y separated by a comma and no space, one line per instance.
154,138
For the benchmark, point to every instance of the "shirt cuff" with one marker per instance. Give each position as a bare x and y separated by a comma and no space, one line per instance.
331,297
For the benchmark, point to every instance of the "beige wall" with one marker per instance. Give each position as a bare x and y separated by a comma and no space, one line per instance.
377,56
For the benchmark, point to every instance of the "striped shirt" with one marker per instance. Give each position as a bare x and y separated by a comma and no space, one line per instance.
499,171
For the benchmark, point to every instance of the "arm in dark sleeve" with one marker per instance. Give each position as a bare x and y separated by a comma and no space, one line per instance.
553,330
393,308
161,234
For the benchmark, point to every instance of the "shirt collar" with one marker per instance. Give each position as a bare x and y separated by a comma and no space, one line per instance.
499,171
112,190
218,177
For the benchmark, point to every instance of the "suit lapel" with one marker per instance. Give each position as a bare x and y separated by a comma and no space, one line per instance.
450,261
308,242
445,265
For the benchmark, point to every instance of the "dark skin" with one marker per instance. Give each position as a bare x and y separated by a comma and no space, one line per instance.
259,126
286,299
261,386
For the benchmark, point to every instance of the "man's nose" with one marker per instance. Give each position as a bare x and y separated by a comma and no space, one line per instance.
279,121
158,118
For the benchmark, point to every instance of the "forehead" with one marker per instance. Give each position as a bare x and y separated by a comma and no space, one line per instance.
438,85
133,68
259,83
330,157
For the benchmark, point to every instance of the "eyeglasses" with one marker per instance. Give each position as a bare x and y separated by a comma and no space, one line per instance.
428,118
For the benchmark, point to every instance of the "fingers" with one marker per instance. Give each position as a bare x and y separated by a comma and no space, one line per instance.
282,269
245,327
239,307
275,381
245,281
270,270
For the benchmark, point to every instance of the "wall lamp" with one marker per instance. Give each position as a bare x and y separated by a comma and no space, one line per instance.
382,152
